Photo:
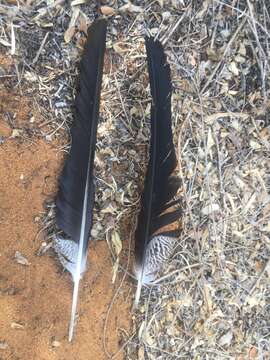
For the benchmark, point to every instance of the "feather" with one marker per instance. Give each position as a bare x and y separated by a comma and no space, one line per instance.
75,199
154,245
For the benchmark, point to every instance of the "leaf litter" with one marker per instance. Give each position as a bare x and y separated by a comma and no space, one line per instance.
213,299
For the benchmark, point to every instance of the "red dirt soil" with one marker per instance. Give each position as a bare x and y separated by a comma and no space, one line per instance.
38,296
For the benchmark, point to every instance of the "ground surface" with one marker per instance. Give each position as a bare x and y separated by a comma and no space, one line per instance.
212,301
35,295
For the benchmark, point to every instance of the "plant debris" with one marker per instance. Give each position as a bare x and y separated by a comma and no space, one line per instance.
213,299
21,259
17,326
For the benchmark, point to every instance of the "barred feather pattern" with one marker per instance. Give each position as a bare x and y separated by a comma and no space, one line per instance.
67,251
158,251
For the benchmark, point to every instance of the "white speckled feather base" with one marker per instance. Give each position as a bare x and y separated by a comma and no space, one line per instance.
158,251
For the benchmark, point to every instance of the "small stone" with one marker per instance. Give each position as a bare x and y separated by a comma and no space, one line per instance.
3,345
94,233
56,343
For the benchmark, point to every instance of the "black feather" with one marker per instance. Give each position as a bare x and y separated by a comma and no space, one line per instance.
75,199
69,202
160,186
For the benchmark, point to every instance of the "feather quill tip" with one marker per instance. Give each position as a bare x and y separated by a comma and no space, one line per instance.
73,309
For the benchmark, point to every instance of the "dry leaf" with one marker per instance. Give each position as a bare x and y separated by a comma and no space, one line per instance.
210,140
250,202
16,133
232,92
254,145
108,209
71,28
141,330
233,68
208,297
226,339
20,259
119,49
236,125
141,353
212,54
209,209
253,352
69,34
77,2
149,340
204,9
17,326
83,23
107,10
239,182
242,49
129,7
13,41
117,243
5,43
115,270
240,59
253,300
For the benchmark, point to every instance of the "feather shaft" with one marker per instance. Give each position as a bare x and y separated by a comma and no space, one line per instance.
80,263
